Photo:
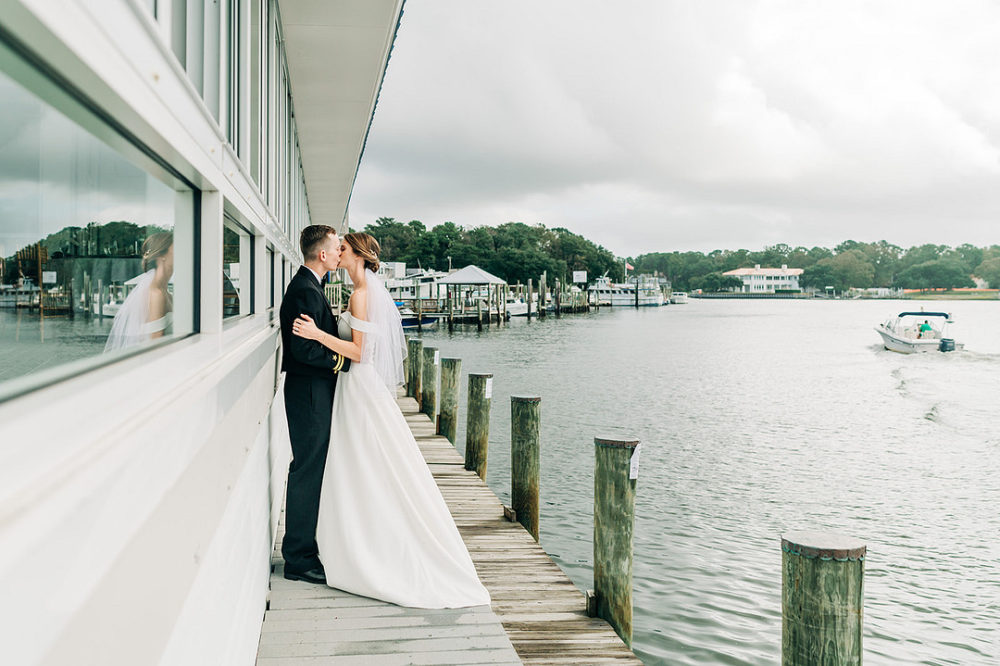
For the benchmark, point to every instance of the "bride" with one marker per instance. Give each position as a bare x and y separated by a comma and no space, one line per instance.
384,531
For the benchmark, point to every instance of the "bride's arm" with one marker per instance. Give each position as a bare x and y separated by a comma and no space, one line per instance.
305,327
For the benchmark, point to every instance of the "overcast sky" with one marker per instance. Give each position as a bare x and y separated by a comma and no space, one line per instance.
651,125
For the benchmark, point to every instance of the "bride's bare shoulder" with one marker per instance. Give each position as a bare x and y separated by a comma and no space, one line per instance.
358,303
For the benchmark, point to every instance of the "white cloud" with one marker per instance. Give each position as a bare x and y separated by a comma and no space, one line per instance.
658,125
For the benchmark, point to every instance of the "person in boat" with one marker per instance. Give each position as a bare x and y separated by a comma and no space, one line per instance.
924,328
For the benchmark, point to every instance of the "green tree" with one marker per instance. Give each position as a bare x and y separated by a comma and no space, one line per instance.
989,270
935,274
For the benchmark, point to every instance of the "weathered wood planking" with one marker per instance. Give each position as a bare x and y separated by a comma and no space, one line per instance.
537,615
541,610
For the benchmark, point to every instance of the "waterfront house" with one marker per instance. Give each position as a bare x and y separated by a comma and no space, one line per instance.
759,280
140,488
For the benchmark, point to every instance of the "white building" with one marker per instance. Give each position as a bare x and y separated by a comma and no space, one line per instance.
140,489
759,280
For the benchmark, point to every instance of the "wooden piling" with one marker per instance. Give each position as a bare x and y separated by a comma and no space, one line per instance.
100,297
541,296
429,382
524,460
477,428
822,598
451,309
414,350
529,299
614,520
479,312
451,375
406,362
420,307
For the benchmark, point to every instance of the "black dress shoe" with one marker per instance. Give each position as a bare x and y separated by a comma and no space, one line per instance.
317,576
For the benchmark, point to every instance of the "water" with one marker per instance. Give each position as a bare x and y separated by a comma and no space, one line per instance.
29,344
757,418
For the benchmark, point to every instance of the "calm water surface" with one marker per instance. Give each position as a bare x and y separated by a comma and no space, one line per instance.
760,417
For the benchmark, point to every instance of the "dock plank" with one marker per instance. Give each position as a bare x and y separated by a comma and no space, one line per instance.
537,615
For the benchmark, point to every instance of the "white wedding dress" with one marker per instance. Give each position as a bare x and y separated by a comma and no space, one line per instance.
384,531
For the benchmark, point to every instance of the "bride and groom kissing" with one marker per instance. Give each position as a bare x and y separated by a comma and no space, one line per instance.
362,511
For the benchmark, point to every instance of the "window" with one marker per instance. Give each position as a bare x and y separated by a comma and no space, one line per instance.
96,238
271,272
237,270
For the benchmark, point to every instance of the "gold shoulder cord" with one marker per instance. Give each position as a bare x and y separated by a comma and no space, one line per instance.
339,364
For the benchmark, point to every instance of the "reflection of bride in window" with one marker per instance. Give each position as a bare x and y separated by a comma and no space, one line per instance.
147,312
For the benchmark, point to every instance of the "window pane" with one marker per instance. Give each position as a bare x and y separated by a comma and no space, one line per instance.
237,271
97,253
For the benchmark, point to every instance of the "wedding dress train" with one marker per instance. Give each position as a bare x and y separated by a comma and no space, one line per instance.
384,531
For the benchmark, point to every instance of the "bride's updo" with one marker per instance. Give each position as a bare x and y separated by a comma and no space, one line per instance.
154,247
366,247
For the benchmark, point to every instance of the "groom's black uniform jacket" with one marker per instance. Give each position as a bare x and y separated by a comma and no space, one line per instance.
300,356
310,379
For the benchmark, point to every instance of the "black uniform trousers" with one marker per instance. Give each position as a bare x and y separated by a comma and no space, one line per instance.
308,406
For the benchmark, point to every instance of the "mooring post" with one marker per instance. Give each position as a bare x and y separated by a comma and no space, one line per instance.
451,374
406,364
451,309
529,299
429,383
524,459
614,520
477,428
479,312
414,351
822,598
542,296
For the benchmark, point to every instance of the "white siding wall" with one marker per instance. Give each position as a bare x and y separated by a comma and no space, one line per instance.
138,501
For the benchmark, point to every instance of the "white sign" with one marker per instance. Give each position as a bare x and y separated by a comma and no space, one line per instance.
633,470
437,356
579,276
489,388
48,277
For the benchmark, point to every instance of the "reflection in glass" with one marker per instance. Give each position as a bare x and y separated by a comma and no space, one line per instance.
147,313
83,231
237,274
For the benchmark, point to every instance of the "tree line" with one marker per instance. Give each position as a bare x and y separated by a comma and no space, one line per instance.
517,252
849,264
513,251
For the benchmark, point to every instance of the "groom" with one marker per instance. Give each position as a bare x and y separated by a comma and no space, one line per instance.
310,379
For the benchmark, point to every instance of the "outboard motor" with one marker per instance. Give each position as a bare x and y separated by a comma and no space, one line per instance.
947,345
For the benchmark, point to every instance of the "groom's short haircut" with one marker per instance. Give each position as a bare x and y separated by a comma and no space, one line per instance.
312,238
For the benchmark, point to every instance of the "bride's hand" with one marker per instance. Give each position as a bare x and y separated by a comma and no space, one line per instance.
305,327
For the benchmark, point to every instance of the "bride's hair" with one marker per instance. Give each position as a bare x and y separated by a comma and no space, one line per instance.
154,247
366,247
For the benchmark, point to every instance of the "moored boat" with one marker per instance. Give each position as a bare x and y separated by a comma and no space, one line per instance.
678,298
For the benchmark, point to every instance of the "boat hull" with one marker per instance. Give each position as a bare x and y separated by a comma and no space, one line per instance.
903,345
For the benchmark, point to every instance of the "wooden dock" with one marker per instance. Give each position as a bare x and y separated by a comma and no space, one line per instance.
537,615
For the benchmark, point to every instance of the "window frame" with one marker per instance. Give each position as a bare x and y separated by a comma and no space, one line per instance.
29,70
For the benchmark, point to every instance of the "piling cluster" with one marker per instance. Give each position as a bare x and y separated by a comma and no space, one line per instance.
822,574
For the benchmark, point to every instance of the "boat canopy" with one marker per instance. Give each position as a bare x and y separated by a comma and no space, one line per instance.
925,314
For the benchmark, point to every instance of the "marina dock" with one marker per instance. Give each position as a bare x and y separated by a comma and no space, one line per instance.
537,615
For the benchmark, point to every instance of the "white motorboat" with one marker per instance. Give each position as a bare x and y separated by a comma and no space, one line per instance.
622,294
516,307
678,297
914,332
